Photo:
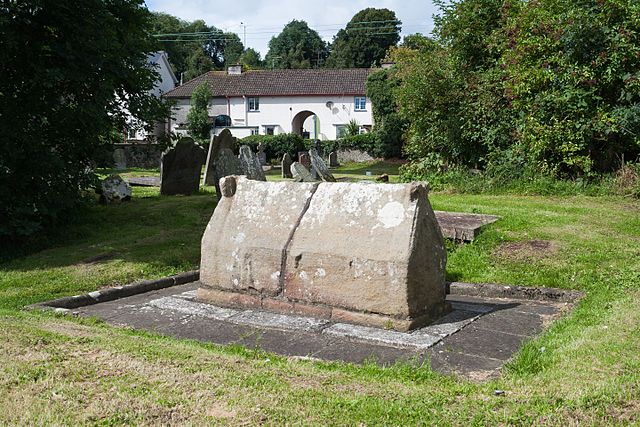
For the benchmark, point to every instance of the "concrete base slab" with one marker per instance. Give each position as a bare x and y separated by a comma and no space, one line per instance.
463,226
473,340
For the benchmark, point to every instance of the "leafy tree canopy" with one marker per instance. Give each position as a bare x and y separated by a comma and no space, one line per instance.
365,40
195,47
518,86
198,116
297,46
70,71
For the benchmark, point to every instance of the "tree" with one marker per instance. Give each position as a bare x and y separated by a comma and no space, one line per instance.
250,58
65,87
198,122
195,47
297,46
523,88
365,40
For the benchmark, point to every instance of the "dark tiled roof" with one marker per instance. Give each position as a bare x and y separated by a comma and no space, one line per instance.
320,81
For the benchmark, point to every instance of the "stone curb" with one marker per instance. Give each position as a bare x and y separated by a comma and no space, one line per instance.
493,290
110,294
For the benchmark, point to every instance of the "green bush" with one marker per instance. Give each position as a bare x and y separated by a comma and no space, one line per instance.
276,145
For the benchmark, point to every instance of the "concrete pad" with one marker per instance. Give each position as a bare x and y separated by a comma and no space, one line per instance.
381,336
266,319
192,308
474,342
463,226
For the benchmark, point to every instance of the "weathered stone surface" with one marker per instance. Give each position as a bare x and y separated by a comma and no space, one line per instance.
242,245
333,160
373,252
180,168
250,164
300,173
115,189
320,166
119,159
221,161
286,166
390,256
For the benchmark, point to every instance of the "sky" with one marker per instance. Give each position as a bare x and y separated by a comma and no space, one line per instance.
266,18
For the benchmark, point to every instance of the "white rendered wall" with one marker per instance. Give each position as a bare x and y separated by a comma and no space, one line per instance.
279,111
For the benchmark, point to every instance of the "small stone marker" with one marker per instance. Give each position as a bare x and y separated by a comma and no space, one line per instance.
333,160
300,173
180,168
320,166
286,166
387,269
262,156
119,159
304,159
250,164
115,190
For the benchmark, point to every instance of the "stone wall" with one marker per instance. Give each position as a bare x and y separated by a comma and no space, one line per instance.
352,155
141,155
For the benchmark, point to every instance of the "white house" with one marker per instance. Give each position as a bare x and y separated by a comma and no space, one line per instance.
315,103
166,82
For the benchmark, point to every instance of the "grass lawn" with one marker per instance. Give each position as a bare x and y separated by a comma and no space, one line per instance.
584,370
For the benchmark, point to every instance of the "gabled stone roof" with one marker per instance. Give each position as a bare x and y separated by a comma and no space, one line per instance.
317,81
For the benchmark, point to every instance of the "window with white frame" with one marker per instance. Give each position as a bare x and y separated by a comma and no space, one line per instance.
341,131
253,104
360,103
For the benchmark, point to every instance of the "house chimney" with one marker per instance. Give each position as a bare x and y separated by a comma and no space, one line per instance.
234,69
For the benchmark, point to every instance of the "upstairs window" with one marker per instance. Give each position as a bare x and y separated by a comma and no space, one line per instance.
253,104
360,103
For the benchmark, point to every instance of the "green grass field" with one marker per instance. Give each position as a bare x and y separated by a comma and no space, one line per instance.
585,369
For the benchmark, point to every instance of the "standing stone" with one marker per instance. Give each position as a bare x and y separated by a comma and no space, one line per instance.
333,160
180,168
286,166
262,156
300,173
304,159
221,161
120,159
250,164
320,166
115,190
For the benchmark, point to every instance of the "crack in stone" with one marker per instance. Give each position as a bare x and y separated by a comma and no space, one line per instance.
285,250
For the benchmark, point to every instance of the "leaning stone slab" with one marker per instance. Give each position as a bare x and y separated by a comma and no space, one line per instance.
221,161
250,164
180,168
369,254
300,173
320,166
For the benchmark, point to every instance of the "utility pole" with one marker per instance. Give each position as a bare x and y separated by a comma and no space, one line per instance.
244,35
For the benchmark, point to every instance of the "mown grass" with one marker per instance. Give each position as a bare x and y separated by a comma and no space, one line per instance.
584,370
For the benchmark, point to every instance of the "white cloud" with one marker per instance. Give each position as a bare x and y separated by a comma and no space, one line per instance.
265,19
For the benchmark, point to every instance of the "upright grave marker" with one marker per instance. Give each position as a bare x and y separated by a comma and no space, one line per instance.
180,168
